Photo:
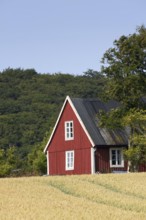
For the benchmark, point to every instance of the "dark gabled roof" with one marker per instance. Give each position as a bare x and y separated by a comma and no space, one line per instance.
88,110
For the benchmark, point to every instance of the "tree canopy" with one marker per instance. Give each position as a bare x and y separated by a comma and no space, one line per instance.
124,65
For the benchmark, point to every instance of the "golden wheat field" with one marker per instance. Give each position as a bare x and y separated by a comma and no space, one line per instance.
104,196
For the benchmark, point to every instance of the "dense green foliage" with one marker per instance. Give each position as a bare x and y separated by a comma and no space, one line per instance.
135,119
30,103
125,69
9,162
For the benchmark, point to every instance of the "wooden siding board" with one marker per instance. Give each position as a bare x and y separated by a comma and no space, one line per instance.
86,160
52,163
142,168
81,145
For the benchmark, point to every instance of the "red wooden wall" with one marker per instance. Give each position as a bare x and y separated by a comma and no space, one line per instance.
102,163
102,159
81,146
142,168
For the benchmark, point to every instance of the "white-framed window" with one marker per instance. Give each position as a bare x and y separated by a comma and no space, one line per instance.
69,160
116,157
69,130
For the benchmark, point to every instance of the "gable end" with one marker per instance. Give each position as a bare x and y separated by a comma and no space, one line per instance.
58,119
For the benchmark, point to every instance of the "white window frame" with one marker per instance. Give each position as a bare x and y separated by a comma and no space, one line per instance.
116,157
69,160
69,130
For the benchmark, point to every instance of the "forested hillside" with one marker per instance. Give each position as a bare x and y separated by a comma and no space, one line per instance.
30,103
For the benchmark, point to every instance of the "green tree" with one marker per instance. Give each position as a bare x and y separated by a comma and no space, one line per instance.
125,68
9,161
5,168
36,160
135,120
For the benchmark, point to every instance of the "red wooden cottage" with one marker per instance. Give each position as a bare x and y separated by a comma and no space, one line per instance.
78,145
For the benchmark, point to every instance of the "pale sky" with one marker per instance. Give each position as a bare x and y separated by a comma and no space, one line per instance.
67,36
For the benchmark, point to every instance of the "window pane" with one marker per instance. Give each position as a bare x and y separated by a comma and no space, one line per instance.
119,157
113,157
116,157
69,160
69,130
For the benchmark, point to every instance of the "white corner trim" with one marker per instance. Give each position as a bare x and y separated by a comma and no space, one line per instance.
93,160
47,163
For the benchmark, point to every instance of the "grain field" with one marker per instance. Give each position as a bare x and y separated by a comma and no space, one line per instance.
104,196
